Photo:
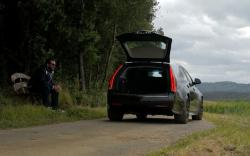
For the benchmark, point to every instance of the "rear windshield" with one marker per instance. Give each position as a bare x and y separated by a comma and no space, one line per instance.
146,49
143,80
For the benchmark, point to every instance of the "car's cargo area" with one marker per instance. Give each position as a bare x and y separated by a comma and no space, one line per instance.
143,80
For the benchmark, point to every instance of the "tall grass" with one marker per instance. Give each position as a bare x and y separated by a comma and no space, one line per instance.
92,97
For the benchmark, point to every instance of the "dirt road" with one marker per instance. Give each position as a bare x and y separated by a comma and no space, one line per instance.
97,137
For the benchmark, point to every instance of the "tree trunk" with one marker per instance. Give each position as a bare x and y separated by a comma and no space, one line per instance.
90,85
82,73
27,62
3,70
81,64
109,55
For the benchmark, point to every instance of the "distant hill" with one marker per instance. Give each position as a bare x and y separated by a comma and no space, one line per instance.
224,90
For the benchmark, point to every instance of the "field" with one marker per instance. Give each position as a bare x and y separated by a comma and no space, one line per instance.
230,137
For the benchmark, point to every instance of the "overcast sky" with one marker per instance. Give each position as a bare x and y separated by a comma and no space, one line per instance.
210,38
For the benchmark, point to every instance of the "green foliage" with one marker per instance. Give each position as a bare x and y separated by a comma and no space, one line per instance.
65,29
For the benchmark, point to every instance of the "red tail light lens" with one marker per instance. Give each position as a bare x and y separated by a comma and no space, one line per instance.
112,79
172,80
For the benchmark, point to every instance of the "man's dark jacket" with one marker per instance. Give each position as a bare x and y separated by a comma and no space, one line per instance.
41,79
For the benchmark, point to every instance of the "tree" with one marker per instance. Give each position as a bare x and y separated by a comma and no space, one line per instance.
122,16
80,33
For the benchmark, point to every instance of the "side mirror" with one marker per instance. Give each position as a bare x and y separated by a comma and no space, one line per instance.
197,81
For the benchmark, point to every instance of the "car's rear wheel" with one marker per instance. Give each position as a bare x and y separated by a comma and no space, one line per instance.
184,116
115,115
200,113
141,116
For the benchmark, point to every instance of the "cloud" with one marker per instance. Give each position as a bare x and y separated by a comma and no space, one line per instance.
212,38
243,32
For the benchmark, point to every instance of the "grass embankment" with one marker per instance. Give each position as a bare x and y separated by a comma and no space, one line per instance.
17,112
30,115
230,137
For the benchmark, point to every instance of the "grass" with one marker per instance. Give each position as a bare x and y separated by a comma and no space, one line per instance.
230,137
30,115
17,112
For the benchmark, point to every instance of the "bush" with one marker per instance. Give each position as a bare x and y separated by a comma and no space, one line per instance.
65,99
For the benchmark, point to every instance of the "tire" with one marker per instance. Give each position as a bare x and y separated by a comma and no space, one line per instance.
200,113
141,116
184,116
114,115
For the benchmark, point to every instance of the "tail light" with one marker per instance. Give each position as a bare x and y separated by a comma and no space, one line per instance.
172,80
112,79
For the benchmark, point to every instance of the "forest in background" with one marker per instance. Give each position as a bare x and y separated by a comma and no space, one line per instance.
80,34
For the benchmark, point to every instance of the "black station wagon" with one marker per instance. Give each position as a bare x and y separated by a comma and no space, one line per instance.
147,84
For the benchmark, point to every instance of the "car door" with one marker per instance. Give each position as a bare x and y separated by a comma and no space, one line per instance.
192,89
145,46
189,85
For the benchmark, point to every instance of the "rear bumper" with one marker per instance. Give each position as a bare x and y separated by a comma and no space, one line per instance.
155,104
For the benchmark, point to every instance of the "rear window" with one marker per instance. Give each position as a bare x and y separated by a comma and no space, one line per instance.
146,80
146,49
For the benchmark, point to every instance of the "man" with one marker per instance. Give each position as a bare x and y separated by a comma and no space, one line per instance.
42,82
